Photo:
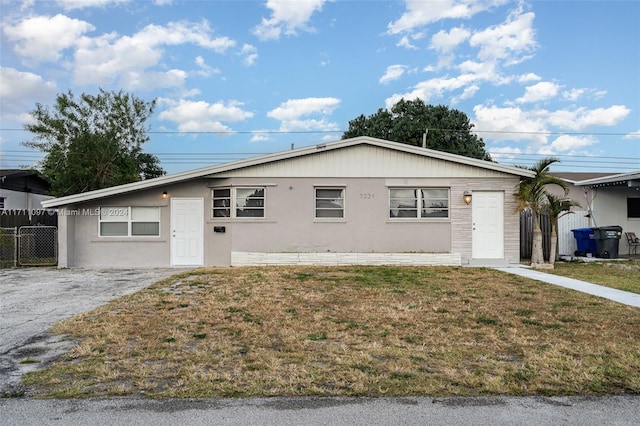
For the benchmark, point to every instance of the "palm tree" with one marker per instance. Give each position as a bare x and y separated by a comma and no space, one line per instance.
532,194
556,208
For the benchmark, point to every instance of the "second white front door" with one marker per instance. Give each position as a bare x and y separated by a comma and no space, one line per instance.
187,231
487,238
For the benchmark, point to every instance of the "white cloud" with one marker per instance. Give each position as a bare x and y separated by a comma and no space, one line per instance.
149,80
447,41
528,78
632,135
292,114
83,4
504,154
434,88
510,124
393,72
482,70
260,136
200,116
573,94
110,57
534,126
420,13
571,142
205,70
183,32
406,43
296,108
19,91
581,118
287,17
307,125
516,37
43,38
250,54
467,93
539,92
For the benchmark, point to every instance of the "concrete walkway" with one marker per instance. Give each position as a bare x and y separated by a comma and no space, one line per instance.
624,297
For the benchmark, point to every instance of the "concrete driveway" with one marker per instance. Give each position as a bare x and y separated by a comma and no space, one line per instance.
33,299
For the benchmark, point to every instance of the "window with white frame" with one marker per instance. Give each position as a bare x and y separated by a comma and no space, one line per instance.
1,203
129,221
418,203
222,202
329,202
246,202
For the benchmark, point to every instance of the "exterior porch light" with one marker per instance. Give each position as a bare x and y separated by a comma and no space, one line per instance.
467,197
164,194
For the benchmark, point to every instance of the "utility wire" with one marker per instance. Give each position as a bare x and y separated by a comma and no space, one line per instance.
233,132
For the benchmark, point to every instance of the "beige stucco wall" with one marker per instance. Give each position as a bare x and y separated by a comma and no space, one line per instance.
85,248
289,225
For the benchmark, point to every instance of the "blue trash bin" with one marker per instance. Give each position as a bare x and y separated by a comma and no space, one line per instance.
585,241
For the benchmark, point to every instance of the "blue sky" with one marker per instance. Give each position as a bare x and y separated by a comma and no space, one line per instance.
238,78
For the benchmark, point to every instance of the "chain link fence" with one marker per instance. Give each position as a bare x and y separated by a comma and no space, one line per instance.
29,246
8,247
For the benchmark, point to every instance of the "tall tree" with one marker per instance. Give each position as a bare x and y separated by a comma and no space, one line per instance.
531,194
94,141
449,130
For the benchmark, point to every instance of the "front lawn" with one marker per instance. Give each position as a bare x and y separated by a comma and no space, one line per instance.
621,275
348,331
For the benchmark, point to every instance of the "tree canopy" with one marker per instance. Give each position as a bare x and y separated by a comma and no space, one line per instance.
449,129
93,141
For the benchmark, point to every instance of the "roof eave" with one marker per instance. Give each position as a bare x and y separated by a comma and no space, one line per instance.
610,179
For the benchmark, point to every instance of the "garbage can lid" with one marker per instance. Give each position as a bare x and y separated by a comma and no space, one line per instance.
611,228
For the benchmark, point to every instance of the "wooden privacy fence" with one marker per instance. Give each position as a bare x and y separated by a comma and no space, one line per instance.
566,240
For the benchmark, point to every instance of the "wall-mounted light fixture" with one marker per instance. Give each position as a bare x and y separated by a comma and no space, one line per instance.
164,194
467,197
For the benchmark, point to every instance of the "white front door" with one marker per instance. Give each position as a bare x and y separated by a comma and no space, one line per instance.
187,231
487,237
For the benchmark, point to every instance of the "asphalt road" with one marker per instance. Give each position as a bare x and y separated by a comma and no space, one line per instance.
539,411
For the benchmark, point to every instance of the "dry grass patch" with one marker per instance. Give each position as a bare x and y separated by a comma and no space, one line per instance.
374,331
621,275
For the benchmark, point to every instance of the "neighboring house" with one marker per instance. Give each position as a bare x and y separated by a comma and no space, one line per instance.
614,200
576,193
22,190
354,201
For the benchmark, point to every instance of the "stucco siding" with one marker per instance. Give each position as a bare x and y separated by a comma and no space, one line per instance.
290,232
88,249
290,226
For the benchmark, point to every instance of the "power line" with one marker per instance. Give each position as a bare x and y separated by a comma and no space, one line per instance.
233,132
